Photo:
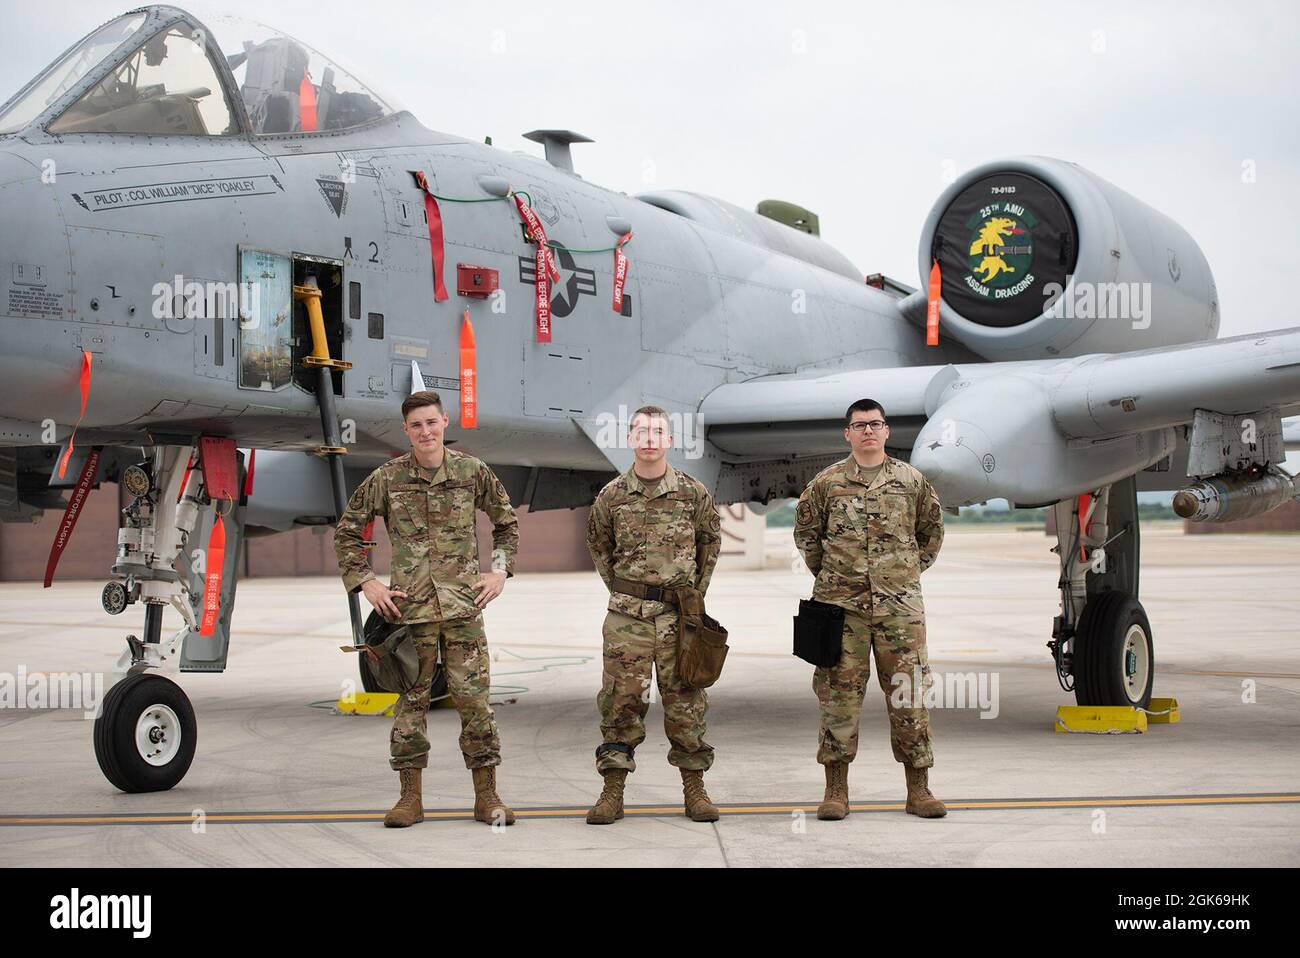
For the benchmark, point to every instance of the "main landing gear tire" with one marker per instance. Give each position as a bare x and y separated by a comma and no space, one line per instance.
1114,658
146,734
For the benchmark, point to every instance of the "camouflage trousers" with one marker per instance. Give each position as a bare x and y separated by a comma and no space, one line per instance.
464,656
632,647
898,642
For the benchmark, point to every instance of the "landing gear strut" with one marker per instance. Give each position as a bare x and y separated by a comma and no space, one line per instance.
1101,641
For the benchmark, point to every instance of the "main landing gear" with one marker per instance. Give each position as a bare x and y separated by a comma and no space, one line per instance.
1101,641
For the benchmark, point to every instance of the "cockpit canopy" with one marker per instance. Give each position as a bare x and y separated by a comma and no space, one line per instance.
288,87
65,73
161,72
165,86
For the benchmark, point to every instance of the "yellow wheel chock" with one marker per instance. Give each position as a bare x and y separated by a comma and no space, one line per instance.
1115,719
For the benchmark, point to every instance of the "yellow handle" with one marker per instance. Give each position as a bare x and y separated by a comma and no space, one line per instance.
310,295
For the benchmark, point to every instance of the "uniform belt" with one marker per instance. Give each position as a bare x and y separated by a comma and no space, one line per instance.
652,593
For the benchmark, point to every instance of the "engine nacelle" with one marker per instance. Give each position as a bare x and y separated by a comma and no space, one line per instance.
997,437
1041,258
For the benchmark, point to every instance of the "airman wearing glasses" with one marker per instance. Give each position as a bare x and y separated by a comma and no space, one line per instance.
867,527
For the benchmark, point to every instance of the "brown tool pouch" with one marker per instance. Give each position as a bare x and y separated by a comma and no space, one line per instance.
701,641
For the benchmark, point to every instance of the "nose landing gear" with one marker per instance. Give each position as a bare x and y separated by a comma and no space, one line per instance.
146,734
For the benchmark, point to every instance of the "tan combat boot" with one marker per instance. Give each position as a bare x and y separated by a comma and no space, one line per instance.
410,807
609,807
835,805
698,806
488,806
920,800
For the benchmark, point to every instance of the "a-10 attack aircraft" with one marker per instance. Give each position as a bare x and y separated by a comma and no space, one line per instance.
163,163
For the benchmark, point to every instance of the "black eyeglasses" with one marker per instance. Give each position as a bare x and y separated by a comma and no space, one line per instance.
861,426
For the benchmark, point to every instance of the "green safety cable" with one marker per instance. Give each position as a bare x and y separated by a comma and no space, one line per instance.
551,243
574,249
462,199
478,199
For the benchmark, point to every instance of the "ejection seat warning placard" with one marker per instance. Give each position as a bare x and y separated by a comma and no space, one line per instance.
34,301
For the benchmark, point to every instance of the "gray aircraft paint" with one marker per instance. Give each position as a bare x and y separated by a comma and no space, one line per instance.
712,291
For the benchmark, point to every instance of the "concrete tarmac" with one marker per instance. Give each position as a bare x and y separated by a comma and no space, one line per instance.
280,779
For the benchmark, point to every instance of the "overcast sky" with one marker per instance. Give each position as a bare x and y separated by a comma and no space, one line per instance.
854,110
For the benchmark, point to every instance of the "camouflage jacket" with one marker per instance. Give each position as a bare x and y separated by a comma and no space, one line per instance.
669,538
430,521
869,543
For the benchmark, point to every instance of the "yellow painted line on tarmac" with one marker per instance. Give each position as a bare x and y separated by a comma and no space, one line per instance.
652,811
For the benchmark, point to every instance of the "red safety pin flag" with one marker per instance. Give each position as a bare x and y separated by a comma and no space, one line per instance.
72,512
620,271
468,376
212,576
85,394
546,270
932,306
434,215
1085,502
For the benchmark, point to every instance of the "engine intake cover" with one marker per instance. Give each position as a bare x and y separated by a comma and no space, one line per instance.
1001,240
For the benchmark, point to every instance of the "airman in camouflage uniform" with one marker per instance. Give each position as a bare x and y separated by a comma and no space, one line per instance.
428,499
867,527
648,533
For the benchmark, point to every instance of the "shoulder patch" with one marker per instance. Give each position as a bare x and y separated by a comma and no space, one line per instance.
713,522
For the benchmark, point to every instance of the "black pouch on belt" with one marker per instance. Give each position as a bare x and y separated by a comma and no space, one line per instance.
819,633
701,641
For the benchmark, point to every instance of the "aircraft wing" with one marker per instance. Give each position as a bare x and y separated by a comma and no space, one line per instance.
1030,431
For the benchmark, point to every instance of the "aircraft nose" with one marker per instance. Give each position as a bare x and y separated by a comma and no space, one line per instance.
953,463
35,268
